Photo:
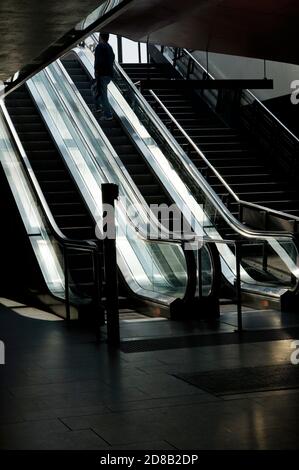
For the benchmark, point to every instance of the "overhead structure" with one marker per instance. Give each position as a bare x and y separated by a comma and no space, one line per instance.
34,33
253,28
27,28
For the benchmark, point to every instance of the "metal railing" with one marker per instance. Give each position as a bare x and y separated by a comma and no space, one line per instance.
178,158
172,238
167,237
192,61
193,147
195,175
234,223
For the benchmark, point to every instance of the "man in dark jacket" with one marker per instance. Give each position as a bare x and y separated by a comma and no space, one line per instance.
103,70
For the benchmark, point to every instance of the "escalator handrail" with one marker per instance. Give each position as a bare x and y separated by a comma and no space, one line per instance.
88,245
142,234
278,213
253,234
181,241
216,173
209,192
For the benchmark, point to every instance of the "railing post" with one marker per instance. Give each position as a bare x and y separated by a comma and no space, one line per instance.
66,284
238,247
109,195
241,212
191,265
265,246
139,53
99,314
119,49
199,270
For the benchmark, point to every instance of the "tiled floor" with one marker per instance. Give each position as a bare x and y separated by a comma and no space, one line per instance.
62,390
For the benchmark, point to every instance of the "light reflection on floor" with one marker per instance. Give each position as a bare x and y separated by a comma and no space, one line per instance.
29,312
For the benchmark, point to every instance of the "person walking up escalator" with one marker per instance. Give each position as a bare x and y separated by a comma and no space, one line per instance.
103,71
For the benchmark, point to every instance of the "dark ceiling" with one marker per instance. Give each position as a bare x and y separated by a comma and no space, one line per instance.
253,28
27,27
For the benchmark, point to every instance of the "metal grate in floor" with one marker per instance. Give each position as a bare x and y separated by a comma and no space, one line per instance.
247,379
214,339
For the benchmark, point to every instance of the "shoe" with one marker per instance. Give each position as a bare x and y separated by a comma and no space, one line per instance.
98,110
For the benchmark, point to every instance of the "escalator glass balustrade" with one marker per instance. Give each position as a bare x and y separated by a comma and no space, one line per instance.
70,161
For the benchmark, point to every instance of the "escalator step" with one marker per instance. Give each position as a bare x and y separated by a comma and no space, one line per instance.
25,119
210,131
29,127
66,208
138,168
13,103
20,111
45,155
161,199
143,179
50,186
77,71
275,196
119,140
38,145
77,219
83,84
128,151
53,175
47,165
19,93
151,190
130,158
111,133
220,162
79,233
34,136
243,178
232,169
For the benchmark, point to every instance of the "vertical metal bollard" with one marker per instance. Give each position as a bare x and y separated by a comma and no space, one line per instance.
199,269
109,195
66,285
99,318
238,246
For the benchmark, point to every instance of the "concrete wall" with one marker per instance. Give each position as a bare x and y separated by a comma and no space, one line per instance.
226,66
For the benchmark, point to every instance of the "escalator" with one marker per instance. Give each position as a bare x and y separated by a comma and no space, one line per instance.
267,258
162,270
147,183
238,160
107,152
60,191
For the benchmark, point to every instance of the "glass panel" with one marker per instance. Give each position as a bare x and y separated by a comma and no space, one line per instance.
214,217
92,163
44,246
